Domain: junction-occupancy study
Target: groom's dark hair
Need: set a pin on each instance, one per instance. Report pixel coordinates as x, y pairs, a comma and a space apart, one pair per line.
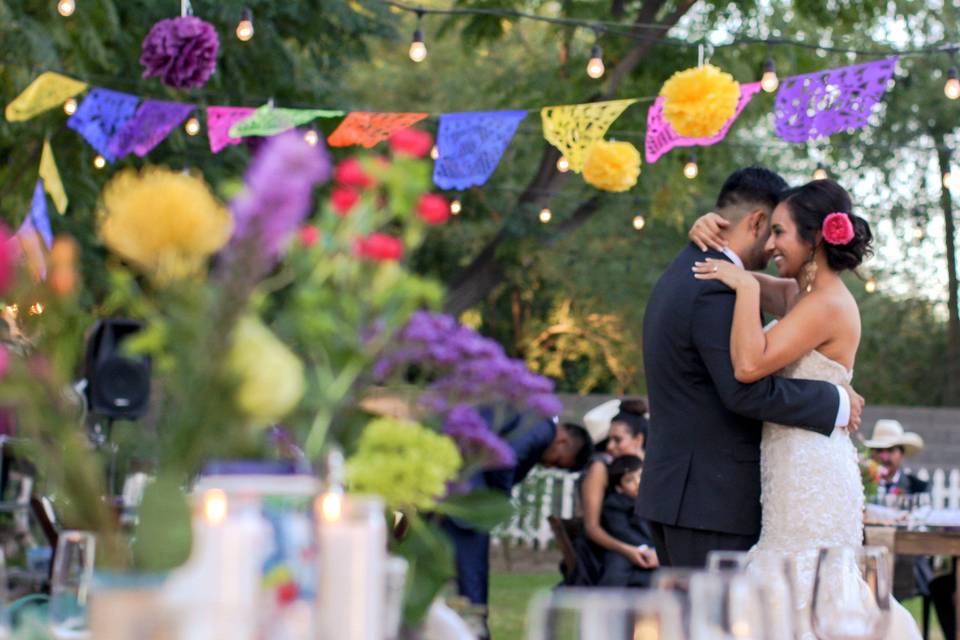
751, 186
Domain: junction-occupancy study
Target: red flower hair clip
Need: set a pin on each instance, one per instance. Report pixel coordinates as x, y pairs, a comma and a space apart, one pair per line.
838, 228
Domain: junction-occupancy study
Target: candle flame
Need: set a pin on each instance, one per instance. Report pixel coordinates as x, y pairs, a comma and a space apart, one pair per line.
215, 506
331, 506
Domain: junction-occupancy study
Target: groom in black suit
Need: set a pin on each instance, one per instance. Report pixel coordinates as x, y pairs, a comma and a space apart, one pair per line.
701, 479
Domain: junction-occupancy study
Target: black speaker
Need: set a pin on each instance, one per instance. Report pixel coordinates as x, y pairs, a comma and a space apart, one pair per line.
118, 385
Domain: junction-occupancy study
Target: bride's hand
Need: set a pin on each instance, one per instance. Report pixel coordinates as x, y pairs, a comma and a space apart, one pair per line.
726, 272
706, 232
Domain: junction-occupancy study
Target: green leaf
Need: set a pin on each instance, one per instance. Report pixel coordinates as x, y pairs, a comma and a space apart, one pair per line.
164, 536
483, 510
430, 554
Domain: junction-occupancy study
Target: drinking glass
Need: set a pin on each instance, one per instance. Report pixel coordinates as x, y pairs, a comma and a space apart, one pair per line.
605, 614
70, 586
724, 606
676, 582
727, 560
851, 594
776, 572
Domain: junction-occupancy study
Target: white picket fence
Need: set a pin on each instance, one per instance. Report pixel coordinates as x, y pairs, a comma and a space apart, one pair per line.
547, 493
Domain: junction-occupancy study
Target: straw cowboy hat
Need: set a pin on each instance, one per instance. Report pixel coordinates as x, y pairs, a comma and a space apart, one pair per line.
890, 433
597, 420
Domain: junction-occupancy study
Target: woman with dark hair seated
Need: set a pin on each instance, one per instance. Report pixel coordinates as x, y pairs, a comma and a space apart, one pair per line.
626, 437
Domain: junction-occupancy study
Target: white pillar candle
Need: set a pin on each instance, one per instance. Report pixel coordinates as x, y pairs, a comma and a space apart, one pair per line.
352, 545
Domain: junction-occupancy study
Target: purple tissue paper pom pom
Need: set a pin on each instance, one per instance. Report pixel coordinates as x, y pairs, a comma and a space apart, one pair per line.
181, 51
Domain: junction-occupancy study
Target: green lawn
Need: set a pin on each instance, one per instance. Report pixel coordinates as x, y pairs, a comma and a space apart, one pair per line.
511, 591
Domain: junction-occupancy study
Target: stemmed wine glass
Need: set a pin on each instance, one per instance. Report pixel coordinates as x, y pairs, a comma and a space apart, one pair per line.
727, 606
851, 594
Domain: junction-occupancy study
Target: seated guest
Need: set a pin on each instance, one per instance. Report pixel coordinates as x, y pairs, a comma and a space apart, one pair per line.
889, 446
626, 436
620, 520
542, 442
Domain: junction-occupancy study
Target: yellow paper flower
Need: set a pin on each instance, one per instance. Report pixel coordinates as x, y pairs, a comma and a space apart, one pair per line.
164, 222
699, 101
612, 166
270, 375
405, 463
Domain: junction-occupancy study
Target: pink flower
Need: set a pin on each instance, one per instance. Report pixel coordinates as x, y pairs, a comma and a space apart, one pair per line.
350, 173
838, 228
433, 208
309, 235
411, 142
7, 259
379, 247
343, 199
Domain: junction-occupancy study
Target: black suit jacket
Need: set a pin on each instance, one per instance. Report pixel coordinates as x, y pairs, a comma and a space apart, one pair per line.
908, 484
703, 445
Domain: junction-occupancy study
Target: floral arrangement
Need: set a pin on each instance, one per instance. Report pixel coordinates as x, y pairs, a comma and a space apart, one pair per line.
181, 51
612, 166
699, 101
872, 473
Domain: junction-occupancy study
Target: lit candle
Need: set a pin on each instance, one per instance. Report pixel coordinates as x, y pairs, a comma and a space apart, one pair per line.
352, 546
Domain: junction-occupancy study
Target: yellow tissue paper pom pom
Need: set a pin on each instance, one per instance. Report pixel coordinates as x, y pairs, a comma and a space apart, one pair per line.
270, 376
405, 463
164, 222
699, 101
612, 166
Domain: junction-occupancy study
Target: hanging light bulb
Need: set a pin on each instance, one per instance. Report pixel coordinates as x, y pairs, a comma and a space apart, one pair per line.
245, 26
545, 215
456, 207
312, 137
563, 165
820, 173
595, 67
70, 106
950, 180
192, 127
918, 233
691, 170
99, 161
66, 8
769, 82
418, 50
952, 88
870, 285
434, 153
639, 222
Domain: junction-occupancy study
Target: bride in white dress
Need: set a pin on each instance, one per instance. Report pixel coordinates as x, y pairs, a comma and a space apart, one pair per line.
811, 491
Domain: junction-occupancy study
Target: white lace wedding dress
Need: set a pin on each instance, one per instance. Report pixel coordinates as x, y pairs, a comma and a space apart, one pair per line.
812, 497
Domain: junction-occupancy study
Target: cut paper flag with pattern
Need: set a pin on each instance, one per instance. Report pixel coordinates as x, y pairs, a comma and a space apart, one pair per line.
48, 90
101, 114
574, 128
819, 104
219, 121
370, 129
38, 216
661, 137
51, 178
148, 127
269, 121
470, 146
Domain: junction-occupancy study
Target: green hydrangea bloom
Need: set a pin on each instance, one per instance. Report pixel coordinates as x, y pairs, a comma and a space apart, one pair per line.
405, 463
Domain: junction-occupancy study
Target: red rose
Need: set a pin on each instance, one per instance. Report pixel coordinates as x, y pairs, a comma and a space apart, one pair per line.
350, 173
309, 235
411, 142
378, 246
433, 208
838, 228
343, 199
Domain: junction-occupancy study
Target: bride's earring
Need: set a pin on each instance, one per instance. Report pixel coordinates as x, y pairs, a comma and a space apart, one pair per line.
810, 274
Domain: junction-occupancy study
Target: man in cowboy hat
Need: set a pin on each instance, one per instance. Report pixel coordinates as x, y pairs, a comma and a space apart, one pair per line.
889, 445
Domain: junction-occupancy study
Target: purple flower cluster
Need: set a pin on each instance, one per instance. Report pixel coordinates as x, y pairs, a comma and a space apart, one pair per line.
466, 370
182, 51
279, 190
478, 444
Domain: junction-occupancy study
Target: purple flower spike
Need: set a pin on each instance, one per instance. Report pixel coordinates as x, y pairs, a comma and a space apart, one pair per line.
181, 51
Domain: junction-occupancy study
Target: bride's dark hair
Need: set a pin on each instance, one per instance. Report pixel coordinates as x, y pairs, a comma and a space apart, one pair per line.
813, 202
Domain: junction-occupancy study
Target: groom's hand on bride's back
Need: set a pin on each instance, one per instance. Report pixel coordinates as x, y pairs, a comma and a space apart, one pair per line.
856, 408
